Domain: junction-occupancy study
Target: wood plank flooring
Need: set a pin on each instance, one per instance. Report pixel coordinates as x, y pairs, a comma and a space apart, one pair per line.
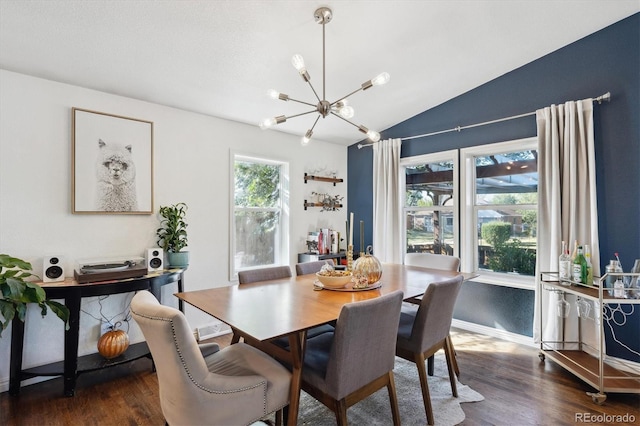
518, 388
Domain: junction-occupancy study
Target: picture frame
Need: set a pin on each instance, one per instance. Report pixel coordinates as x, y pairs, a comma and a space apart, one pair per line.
112, 163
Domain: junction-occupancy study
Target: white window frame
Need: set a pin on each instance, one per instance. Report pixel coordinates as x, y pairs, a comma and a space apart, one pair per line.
451, 155
281, 255
468, 224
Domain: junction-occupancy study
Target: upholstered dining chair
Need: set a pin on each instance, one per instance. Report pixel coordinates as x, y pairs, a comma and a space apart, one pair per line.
236, 385
263, 274
306, 268
423, 332
348, 365
435, 261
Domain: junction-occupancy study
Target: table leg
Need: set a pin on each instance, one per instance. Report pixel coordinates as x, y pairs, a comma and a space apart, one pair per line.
296, 346
71, 337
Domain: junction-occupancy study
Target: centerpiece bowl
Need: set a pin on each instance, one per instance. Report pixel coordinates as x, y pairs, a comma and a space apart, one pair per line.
334, 279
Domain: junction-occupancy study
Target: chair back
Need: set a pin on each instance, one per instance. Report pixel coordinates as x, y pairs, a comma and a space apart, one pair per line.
178, 360
435, 313
364, 343
430, 260
264, 274
311, 267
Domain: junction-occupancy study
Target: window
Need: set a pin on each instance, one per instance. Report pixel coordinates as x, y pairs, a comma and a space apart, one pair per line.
430, 212
260, 213
500, 189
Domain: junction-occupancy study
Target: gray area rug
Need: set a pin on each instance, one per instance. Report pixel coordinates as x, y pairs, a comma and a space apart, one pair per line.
376, 410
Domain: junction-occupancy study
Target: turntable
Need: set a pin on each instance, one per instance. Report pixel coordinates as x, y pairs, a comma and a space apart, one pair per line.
112, 269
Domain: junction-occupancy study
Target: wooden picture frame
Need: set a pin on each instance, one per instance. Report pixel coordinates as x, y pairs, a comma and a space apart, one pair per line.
112, 164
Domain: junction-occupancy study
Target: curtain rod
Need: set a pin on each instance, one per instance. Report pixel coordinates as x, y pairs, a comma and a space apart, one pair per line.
599, 99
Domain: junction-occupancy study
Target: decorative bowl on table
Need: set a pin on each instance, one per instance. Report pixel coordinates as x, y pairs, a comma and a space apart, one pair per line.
334, 279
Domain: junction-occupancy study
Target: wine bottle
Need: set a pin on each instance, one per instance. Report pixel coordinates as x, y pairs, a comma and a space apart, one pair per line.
579, 269
564, 264
587, 257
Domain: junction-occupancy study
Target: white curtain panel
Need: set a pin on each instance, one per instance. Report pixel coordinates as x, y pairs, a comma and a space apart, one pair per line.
387, 201
567, 208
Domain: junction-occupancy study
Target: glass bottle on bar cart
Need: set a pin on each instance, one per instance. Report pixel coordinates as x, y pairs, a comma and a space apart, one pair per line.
564, 265
587, 256
579, 268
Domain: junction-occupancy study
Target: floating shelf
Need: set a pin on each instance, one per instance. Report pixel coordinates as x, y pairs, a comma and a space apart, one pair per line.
307, 204
322, 179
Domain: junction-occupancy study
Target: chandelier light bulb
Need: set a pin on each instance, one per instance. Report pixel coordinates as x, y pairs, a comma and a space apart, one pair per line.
346, 111
381, 79
306, 138
298, 63
267, 123
273, 94
373, 135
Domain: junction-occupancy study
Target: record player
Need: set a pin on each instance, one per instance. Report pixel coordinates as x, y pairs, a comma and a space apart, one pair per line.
109, 269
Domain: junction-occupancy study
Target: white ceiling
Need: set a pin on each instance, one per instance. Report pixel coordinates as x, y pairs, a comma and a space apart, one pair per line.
219, 57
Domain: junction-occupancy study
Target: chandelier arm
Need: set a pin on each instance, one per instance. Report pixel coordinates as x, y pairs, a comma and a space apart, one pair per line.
314, 91
324, 84
302, 113
344, 97
315, 122
301, 102
348, 121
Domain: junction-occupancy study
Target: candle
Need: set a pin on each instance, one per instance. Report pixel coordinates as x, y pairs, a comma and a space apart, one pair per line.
362, 236
351, 229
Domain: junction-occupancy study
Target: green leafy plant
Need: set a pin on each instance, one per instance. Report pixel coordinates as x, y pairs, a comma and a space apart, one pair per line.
17, 293
172, 234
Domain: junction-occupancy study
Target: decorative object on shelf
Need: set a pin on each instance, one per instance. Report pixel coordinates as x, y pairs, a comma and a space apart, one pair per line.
16, 293
367, 269
113, 343
339, 107
172, 235
327, 202
112, 161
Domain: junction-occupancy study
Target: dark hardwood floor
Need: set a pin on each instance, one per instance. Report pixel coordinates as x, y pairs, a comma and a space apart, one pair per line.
518, 388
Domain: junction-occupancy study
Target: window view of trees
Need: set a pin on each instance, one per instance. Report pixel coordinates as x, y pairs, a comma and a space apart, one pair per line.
257, 213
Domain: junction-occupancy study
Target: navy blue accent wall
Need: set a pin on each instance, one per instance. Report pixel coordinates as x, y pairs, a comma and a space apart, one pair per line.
605, 61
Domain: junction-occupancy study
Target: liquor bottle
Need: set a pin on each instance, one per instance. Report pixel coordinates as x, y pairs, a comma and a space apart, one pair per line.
564, 264
579, 269
575, 251
587, 256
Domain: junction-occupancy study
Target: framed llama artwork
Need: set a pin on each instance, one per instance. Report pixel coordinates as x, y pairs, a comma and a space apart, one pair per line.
112, 162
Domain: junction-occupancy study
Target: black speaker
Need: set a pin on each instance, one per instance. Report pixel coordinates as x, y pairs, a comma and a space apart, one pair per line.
155, 259
53, 269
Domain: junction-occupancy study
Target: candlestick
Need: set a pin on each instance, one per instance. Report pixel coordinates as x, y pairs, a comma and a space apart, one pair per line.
350, 257
361, 237
351, 229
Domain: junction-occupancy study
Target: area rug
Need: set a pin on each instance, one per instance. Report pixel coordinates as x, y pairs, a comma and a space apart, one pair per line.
376, 410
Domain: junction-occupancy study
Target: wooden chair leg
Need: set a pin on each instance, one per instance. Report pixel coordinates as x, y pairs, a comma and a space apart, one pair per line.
453, 358
450, 357
393, 399
341, 412
426, 397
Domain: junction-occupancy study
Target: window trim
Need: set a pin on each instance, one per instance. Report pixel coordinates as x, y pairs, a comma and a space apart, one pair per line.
449, 155
282, 257
468, 228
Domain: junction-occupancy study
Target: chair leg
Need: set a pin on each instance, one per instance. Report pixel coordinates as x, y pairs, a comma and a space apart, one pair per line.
426, 397
430, 365
279, 417
393, 399
453, 357
341, 412
450, 356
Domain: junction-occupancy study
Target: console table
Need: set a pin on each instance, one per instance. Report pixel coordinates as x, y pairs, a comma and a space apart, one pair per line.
72, 293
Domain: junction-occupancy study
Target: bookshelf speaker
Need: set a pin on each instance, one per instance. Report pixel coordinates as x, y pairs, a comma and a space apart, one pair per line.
53, 269
155, 259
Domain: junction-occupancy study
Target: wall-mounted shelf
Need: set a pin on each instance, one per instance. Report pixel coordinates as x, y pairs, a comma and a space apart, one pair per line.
307, 204
322, 179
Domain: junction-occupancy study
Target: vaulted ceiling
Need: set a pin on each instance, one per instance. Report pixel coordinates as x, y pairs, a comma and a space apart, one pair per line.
220, 57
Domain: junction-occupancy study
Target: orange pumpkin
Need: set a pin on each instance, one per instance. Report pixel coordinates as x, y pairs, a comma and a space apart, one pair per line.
113, 343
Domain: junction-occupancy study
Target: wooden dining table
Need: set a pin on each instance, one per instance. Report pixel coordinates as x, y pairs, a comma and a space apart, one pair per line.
263, 311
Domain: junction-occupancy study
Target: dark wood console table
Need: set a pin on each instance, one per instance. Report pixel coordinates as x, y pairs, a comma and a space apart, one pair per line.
72, 293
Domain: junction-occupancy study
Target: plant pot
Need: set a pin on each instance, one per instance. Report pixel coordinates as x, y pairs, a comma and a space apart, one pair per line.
179, 259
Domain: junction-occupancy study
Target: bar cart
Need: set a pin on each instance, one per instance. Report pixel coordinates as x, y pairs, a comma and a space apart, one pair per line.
581, 359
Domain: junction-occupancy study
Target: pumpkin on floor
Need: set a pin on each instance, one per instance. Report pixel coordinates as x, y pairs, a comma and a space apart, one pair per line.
113, 343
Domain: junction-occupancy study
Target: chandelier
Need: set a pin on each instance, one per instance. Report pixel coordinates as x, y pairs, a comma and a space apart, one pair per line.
339, 108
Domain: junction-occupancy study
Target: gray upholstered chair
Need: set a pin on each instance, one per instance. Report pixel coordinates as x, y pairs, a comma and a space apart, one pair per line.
435, 261
423, 332
263, 274
236, 385
346, 366
305, 268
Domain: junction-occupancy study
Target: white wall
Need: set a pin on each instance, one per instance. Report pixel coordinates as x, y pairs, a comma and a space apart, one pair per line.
191, 160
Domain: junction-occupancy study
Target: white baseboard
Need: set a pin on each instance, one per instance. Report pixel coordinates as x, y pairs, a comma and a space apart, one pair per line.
494, 332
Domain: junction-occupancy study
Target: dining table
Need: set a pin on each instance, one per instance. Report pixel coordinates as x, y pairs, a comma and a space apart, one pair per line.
263, 311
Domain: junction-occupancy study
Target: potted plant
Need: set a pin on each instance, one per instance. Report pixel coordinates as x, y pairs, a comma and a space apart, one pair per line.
17, 293
172, 234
